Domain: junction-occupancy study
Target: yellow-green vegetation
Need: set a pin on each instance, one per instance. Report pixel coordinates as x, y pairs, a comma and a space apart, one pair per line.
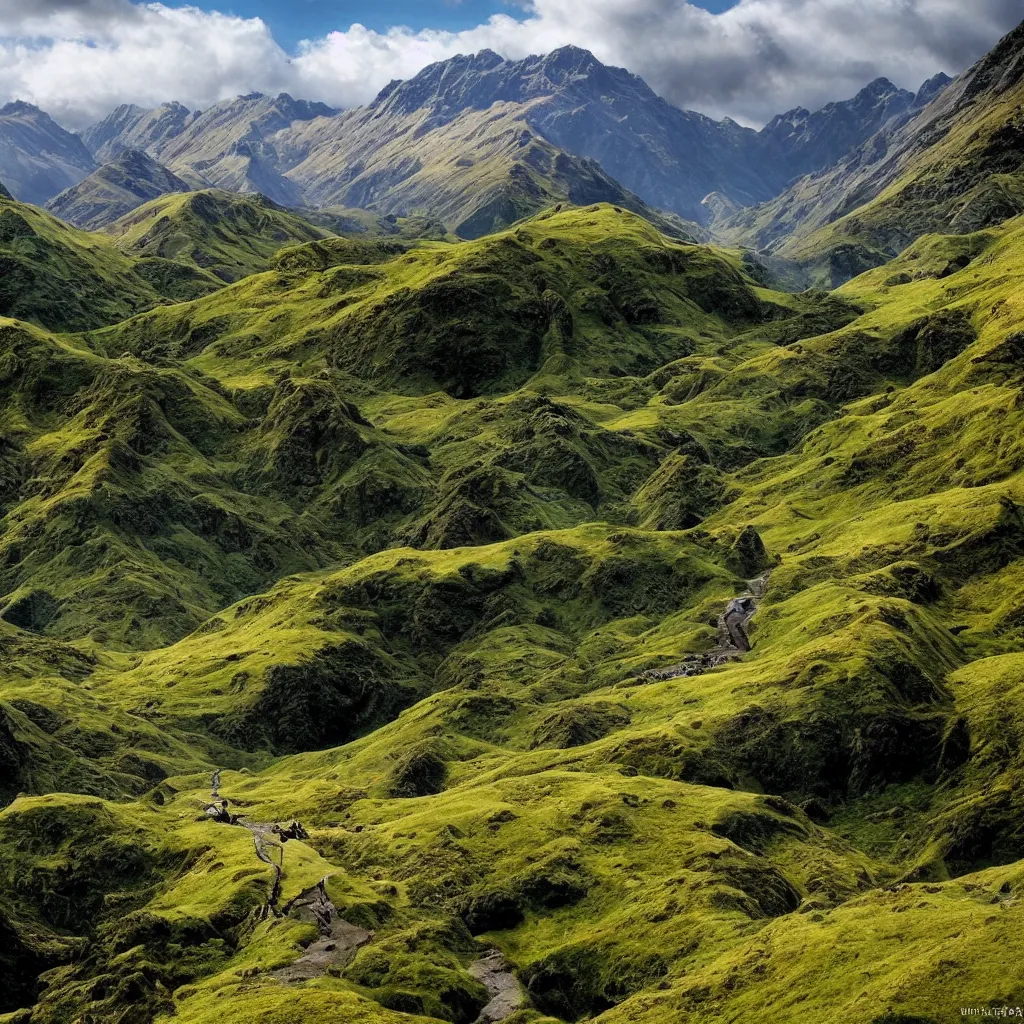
412, 539
66, 279
224, 235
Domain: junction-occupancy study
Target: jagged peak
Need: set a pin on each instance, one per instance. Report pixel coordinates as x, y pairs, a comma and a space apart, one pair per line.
571, 54
795, 116
124, 109
388, 89
488, 58
129, 157
878, 87
930, 89
21, 107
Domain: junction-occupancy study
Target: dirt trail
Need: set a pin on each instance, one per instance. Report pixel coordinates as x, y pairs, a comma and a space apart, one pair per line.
495, 974
732, 636
271, 852
336, 944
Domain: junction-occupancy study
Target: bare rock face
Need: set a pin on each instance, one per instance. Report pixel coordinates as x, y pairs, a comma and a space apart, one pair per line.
38, 158
131, 127
336, 943
806, 142
495, 974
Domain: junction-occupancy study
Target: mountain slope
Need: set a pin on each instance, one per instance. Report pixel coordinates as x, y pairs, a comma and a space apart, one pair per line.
232, 144
63, 278
477, 173
131, 127
513, 733
226, 236
672, 158
115, 189
453, 130
956, 166
38, 158
804, 142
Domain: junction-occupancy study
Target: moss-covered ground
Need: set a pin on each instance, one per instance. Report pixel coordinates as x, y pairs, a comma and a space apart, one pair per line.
393, 534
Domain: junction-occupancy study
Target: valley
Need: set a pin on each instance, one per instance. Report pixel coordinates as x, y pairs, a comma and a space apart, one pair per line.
612, 626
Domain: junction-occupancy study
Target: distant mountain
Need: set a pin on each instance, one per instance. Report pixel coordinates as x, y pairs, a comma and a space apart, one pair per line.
4, 194
478, 140
477, 172
955, 166
38, 158
234, 144
670, 157
131, 127
804, 142
115, 189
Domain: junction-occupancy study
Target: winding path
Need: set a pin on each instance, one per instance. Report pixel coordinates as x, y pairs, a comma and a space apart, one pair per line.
732, 636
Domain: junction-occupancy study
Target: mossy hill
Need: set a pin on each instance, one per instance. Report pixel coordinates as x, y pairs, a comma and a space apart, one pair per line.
411, 538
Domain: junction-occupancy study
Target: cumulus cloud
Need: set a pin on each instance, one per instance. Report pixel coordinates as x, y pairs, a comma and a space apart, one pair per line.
79, 58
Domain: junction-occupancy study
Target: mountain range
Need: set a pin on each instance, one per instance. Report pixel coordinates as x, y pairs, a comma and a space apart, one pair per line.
475, 141
565, 623
953, 166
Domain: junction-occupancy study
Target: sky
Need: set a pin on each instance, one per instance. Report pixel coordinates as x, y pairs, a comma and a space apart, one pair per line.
748, 59
292, 21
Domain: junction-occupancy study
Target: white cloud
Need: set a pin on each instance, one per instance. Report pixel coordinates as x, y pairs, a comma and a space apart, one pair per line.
79, 58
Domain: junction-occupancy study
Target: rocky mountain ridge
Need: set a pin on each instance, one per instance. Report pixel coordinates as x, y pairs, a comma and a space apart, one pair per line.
39, 158
956, 165
481, 110
114, 189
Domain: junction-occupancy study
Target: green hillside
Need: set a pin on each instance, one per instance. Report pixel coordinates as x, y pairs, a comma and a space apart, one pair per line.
224, 235
65, 279
431, 546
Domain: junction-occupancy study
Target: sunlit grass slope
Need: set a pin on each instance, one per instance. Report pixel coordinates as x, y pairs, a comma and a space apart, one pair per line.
228, 236
394, 533
66, 279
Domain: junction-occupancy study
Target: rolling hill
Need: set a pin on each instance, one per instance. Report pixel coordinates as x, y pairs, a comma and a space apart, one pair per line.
224, 235
66, 279
576, 626
423, 544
